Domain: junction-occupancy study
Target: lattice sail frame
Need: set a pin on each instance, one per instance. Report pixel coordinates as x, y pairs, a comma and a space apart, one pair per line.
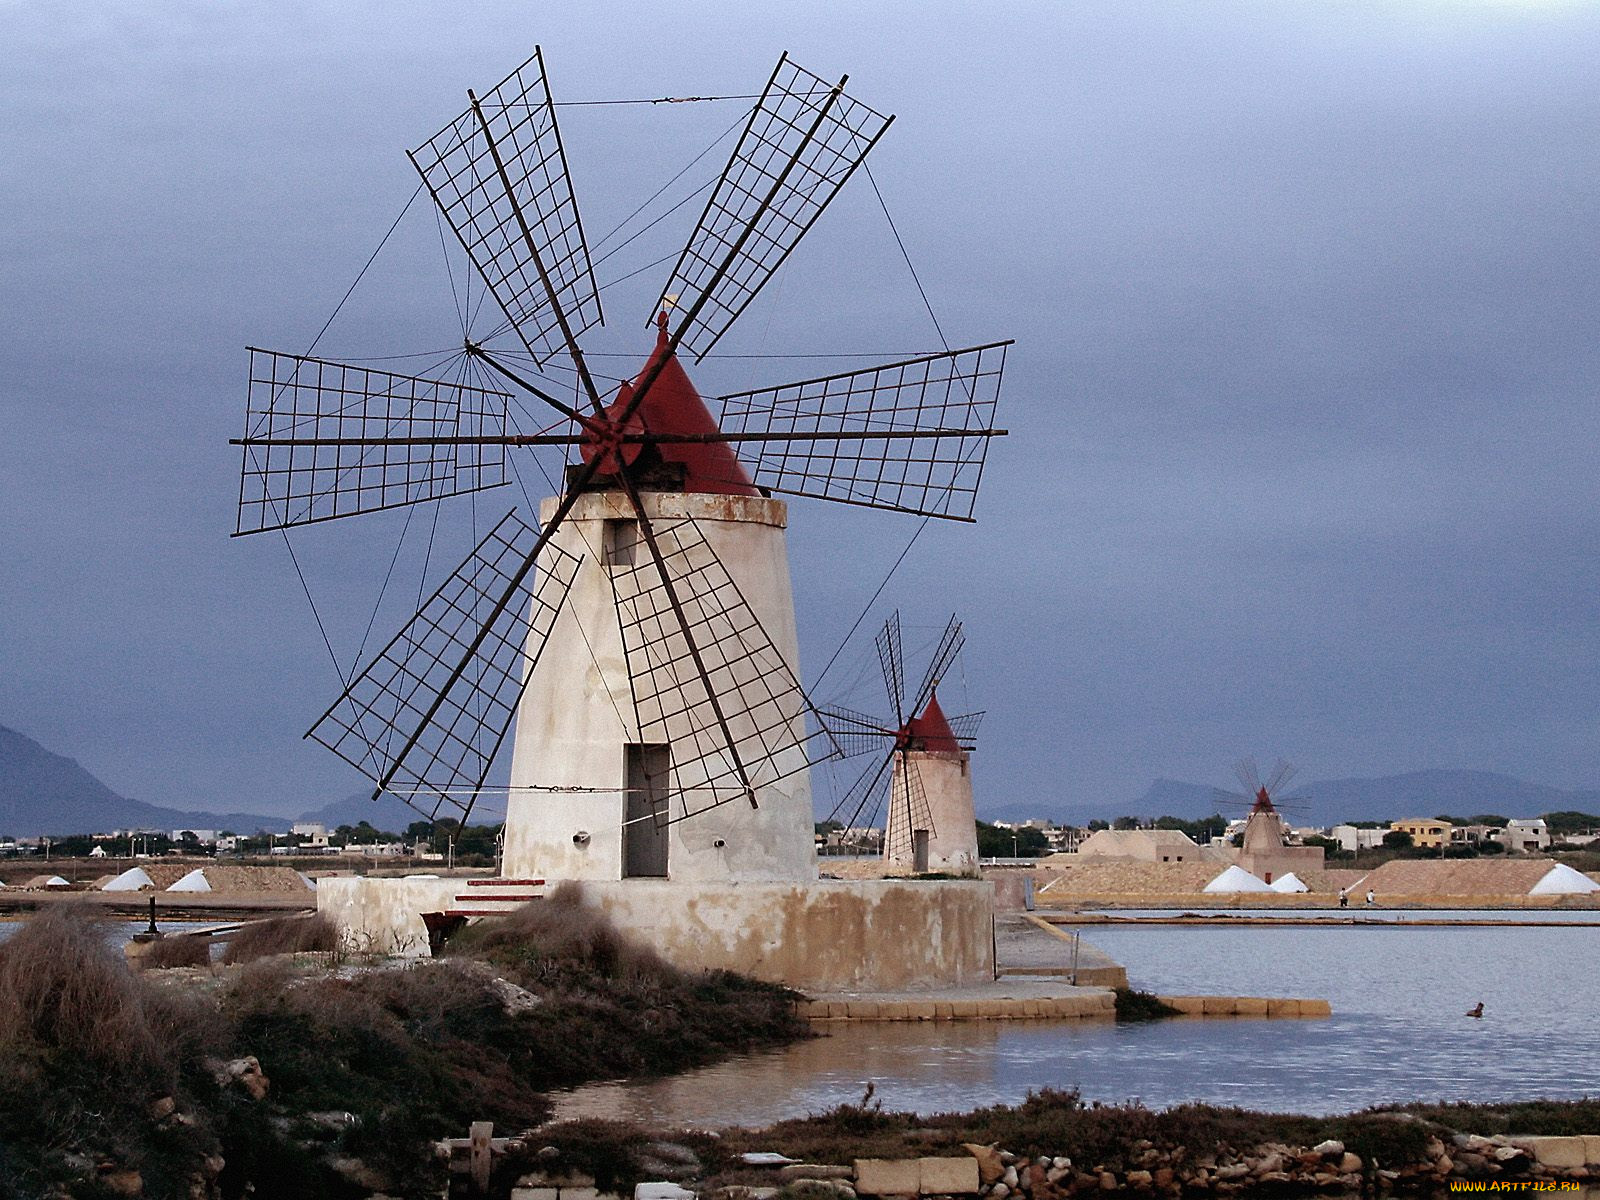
378, 441
950, 643
450, 722
804, 139
499, 177
938, 477
909, 797
674, 704
510, 136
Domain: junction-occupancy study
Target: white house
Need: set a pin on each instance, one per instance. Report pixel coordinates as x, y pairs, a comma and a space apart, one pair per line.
1353, 840
1524, 835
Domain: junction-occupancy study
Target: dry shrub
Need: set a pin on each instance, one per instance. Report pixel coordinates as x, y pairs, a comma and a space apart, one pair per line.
562, 929
178, 950
66, 993
281, 935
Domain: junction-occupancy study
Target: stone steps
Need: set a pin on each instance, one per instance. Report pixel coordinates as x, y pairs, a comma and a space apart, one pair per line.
495, 897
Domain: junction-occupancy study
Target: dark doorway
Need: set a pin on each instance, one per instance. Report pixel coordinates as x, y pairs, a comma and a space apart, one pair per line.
644, 836
919, 850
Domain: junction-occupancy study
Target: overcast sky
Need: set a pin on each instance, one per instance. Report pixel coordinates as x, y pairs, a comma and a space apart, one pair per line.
1303, 402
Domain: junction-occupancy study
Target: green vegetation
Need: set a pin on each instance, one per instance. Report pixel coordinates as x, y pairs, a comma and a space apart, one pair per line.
1133, 1005
994, 842
1568, 821
1399, 839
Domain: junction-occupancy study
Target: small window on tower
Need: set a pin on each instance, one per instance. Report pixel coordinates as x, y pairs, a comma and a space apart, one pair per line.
621, 540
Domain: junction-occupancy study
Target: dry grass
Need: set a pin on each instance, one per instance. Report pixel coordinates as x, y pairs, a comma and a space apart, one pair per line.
281, 935
562, 928
65, 991
178, 950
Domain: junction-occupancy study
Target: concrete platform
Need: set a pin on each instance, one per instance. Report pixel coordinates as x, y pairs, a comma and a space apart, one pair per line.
819, 936
1008, 998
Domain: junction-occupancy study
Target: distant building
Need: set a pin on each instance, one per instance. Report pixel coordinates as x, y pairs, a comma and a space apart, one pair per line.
1353, 840
1425, 833
1524, 836
312, 834
1065, 838
206, 837
1143, 845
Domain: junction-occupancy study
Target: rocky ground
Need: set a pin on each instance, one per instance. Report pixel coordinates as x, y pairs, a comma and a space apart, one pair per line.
859, 1151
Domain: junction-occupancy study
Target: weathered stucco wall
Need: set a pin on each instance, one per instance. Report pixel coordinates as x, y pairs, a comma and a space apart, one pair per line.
833, 935
578, 713
384, 915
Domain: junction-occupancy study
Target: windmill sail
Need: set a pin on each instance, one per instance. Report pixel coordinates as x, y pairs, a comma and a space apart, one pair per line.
908, 809
864, 797
950, 643
952, 394
855, 733
893, 663
325, 439
425, 718
965, 727
804, 139
498, 174
747, 690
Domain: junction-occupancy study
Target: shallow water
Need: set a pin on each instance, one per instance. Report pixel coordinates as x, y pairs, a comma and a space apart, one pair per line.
119, 932
1398, 1033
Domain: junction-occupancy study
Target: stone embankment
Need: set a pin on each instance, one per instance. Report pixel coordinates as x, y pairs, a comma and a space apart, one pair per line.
1082, 1004
998, 1174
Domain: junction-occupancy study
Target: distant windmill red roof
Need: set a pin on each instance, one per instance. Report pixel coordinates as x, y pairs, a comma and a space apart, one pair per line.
932, 731
672, 405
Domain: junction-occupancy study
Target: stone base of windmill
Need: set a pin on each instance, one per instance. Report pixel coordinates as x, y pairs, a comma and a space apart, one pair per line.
820, 936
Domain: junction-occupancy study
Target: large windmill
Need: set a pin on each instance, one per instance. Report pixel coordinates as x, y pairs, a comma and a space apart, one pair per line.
644, 629
918, 775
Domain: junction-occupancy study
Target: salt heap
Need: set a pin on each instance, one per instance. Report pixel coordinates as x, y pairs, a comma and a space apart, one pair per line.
1236, 879
194, 881
1562, 880
133, 879
1288, 883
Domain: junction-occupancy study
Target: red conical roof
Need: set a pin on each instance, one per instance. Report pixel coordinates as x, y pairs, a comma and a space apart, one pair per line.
673, 406
931, 731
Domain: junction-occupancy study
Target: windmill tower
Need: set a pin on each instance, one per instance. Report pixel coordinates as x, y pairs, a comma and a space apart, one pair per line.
642, 635
929, 820
1266, 850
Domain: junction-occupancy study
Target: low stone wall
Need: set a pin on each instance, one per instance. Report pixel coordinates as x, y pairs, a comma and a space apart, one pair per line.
831, 935
1247, 1006
1091, 1003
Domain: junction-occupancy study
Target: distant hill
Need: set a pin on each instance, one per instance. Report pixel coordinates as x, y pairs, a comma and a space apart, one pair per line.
1429, 793
46, 794
1384, 798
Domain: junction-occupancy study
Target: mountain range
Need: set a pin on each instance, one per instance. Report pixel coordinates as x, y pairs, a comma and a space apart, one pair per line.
44, 793
1328, 801
47, 794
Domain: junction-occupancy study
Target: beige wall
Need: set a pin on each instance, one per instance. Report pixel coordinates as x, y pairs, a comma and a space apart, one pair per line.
874, 935
946, 781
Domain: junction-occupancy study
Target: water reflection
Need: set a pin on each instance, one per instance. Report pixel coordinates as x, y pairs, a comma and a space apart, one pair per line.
1398, 1033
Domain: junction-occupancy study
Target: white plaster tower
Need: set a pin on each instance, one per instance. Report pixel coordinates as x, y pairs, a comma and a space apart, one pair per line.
617, 740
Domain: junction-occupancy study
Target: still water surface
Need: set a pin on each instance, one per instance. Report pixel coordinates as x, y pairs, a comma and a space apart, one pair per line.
1398, 1033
